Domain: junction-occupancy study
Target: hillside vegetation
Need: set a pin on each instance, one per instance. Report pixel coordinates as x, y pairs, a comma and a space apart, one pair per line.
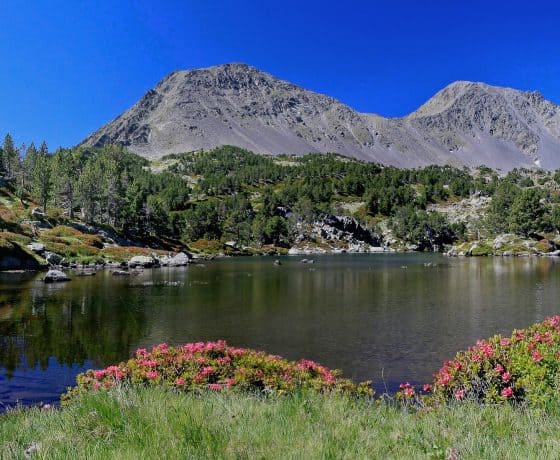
233, 201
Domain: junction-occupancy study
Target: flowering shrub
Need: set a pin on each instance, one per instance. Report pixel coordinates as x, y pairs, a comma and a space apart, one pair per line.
217, 366
523, 368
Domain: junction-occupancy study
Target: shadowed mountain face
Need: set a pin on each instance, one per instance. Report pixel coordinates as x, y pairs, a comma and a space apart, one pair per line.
235, 104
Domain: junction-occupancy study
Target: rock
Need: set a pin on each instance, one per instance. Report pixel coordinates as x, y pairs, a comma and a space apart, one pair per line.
82, 273
37, 248
38, 213
231, 244
55, 276
52, 258
120, 273
553, 253
179, 260
277, 262
142, 261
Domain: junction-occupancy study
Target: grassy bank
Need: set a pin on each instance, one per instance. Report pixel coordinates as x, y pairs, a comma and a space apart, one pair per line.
154, 423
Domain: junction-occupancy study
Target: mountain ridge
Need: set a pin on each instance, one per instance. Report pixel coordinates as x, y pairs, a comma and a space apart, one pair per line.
465, 123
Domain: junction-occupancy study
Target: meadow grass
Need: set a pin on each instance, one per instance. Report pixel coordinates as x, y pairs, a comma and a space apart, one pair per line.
155, 423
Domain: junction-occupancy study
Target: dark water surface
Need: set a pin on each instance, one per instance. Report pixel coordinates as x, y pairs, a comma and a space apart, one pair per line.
364, 314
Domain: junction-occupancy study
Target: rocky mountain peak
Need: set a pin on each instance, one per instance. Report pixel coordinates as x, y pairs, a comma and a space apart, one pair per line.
466, 123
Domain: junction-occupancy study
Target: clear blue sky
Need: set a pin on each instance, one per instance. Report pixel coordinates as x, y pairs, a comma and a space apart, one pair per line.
68, 67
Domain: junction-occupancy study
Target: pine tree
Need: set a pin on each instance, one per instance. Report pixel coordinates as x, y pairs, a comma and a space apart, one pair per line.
42, 180
10, 156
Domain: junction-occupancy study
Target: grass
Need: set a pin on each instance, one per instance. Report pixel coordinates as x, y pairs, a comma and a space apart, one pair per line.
155, 423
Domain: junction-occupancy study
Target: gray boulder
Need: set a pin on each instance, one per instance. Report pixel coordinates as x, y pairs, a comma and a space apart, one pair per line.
179, 260
142, 261
52, 258
37, 248
55, 276
38, 213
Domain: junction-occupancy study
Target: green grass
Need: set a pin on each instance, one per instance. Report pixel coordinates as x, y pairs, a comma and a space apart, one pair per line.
154, 423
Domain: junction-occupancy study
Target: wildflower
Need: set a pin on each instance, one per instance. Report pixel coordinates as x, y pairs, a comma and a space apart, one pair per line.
537, 357
152, 375
427, 387
215, 386
179, 381
96, 385
499, 368
504, 342
459, 394
507, 392
99, 374
230, 382
506, 376
409, 392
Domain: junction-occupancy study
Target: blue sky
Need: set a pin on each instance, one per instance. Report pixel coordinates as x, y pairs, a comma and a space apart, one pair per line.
68, 67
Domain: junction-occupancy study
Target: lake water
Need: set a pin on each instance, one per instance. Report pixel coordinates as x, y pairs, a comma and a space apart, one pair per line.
367, 315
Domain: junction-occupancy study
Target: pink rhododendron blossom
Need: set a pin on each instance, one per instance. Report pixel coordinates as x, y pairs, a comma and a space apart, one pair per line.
180, 381
505, 342
537, 357
507, 392
152, 375
459, 394
427, 387
506, 376
99, 374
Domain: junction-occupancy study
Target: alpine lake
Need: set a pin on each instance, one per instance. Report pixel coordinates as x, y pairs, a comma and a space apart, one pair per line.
389, 318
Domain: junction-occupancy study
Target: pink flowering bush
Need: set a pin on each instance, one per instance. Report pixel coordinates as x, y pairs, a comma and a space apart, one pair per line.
522, 368
216, 366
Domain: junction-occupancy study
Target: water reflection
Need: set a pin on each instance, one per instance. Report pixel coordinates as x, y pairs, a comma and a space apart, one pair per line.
363, 314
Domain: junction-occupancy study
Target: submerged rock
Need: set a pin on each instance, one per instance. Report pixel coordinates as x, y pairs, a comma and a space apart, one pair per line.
55, 276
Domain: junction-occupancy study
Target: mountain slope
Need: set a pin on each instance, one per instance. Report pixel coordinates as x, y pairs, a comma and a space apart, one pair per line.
236, 104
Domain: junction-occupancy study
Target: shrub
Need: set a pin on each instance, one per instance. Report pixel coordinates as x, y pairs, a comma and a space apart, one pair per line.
217, 366
523, 368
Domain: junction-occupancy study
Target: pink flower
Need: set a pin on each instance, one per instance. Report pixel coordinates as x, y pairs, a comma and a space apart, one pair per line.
409, 392
215, 386
141, 352
152, 375
499, 368
507, 392
506, 376
99, 374
554, 321
427, 387
230, 382
476, 357
459, 394
537, 357
96, 385
504, 342
180, 381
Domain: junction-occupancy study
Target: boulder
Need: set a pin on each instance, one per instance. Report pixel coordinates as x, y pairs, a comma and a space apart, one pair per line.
179, 260
55, 276
142, 261
52, 258
38, 213
37, 248
120, 273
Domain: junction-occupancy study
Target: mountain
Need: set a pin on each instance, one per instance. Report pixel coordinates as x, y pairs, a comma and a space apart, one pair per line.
235, 104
